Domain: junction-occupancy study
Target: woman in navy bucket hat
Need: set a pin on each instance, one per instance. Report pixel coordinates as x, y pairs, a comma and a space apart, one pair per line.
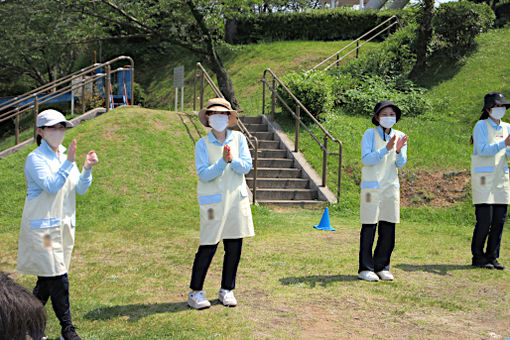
489, 180
383, 151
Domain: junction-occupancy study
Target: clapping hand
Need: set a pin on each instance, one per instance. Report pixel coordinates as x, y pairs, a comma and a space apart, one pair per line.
401, 143
227, 155
90, 159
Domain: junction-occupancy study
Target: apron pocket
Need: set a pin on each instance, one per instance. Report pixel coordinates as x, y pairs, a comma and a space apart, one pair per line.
370, 196
482, 180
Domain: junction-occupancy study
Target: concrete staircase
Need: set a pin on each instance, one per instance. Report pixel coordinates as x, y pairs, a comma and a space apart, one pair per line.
283, 177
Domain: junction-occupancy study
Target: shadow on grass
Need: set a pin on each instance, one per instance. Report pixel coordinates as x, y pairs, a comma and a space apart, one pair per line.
322, 280
439, 269
135, 312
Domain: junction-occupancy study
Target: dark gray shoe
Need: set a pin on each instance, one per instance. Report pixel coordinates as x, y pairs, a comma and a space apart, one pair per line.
497, 265
69, 333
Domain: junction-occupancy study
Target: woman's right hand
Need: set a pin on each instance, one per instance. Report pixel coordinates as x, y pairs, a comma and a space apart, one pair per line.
227, 156
71, 151
391, 142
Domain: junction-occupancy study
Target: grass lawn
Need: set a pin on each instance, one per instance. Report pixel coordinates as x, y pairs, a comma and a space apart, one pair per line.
137, 234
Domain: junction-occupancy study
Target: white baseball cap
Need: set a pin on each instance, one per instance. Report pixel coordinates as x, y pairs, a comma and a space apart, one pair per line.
52, 117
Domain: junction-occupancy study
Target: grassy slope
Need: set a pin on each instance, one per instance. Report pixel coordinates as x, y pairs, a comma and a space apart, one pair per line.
138, 231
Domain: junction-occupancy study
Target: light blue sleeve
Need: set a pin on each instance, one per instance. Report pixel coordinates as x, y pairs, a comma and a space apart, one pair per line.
369, 156
205, 171
38, 170
507, 148
243, 164
84, 182
481, 147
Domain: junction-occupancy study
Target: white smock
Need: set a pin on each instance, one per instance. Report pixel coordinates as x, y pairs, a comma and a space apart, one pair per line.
380, 188
46, 238
489, 174
224, 204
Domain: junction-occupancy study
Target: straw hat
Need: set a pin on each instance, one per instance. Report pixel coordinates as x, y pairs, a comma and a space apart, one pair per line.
217, 105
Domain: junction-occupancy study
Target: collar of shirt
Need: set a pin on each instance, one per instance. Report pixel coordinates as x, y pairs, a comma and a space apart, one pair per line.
48, 151
213, 139
494, 125
383, 135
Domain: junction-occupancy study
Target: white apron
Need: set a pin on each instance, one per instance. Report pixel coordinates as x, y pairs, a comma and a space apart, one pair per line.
380, 188
489, 174
46, 237
224, 204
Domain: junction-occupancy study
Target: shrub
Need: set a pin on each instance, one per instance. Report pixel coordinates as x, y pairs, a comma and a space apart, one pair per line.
313, 89
502, 13
456, 25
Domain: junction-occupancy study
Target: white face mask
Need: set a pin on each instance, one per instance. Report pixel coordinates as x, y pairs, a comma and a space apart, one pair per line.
387, 122
498, 112
218, 122
54, 137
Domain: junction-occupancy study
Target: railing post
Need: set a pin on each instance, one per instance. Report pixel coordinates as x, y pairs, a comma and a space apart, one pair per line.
357, 48
16, 130
36, 112
254, 192
324, 160
337, 59
83, 95
132, 82
195, 89
201, 89
263, 96
339, 171
108, 87
273, 99
296, 138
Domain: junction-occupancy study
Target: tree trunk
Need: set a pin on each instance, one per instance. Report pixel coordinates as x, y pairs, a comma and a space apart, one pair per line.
398, 4
224, 82
423, 38
375, 4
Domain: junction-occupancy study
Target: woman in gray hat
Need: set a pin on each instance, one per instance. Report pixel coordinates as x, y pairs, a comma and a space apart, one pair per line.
383, 151
489, 180
46, 237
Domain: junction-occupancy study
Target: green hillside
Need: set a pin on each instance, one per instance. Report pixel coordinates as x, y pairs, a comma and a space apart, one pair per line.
138, 230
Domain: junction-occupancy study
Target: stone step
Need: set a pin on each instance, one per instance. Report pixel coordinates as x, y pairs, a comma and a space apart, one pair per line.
275, 163
263, 135
286, 194
269, 144
256, 128
295, 183
251, 119
291, 203
270, 153
276, 173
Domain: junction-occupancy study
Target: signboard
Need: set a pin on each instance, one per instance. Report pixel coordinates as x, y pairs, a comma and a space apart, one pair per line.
179, 76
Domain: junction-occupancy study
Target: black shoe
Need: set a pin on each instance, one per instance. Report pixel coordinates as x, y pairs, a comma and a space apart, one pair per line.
486, 265
497, 265
69, 333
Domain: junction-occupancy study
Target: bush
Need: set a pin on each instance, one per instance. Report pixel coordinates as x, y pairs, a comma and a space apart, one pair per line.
372, 89
335, 24
502, 13
313, 89
456, 25
139, 94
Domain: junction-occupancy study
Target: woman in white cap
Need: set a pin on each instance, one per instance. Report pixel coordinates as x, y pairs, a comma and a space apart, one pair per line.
222, 159
383, 151
48, 223
489, 180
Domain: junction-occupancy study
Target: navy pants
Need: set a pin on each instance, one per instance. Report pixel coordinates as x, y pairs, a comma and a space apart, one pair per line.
380, 260
204, 257
56, 287
490, 219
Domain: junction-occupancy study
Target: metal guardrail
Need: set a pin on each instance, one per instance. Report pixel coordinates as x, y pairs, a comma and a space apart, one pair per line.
52, 90
297, 115
201, 73
390, 22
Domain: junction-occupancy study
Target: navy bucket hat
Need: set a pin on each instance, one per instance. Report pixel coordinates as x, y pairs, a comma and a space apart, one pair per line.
381, 105
492, 99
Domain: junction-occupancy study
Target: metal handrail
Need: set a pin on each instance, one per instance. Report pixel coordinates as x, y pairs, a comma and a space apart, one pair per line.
297, 115
358, 46
15, 107
203, 75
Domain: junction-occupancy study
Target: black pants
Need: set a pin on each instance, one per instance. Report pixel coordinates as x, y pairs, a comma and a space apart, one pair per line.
204, 257
56, 287
385, 244
490, 219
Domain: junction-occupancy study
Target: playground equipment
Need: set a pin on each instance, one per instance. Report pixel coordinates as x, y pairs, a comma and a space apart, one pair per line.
94, 79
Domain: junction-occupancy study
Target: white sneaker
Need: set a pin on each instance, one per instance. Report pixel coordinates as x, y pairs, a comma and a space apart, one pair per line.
197, 300
368, 275
227, 298
385, 275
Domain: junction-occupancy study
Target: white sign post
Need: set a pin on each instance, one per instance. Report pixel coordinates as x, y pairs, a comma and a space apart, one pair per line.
179, 84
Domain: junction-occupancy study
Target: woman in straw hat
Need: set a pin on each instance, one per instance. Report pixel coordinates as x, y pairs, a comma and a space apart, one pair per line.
383, 151
46, 237
489, 180
222, 159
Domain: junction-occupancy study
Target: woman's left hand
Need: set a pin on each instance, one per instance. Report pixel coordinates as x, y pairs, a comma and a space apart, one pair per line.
91, 159
401, 143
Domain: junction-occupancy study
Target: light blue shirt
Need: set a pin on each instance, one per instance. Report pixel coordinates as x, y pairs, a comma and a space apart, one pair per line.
370, 156
480, 136
40, 178
206, 172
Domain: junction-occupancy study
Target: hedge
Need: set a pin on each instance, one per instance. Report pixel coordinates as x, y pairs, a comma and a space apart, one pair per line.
324, 25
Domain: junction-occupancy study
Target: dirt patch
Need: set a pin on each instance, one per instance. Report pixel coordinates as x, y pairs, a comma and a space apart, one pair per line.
437, 189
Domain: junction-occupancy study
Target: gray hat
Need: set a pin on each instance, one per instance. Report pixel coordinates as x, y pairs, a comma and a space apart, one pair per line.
52, 117
492, 99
